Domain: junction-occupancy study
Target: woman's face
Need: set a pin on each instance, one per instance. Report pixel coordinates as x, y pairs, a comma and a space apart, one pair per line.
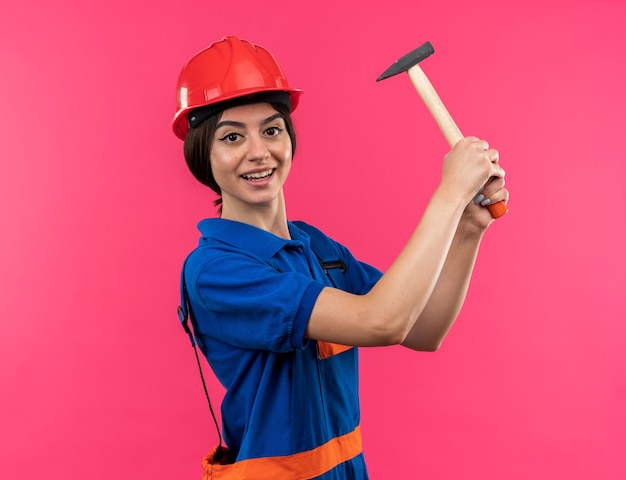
250, 157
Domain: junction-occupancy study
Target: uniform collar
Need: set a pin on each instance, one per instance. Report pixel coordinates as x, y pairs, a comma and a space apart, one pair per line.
248, 237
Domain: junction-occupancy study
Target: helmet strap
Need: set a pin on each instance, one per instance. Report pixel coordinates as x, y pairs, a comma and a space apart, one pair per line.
201, 114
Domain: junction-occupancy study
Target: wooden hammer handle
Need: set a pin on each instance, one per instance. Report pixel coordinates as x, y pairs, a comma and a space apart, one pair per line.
440, 113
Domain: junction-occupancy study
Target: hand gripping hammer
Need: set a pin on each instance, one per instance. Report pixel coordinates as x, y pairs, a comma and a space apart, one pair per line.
409, 64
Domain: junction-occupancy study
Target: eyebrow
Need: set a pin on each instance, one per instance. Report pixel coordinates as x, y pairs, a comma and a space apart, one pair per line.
232, 123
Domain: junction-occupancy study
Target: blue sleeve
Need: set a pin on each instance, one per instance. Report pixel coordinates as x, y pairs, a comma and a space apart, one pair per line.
361, 276
243, 301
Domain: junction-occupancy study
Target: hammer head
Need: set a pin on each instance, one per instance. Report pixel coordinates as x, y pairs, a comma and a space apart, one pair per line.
408, 60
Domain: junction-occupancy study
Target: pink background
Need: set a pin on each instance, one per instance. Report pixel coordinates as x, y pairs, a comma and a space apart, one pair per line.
98, 211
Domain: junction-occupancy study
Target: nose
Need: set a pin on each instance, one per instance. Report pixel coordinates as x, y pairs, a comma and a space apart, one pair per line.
257, 148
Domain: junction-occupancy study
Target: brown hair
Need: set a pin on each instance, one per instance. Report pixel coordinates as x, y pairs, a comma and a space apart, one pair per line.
199, 140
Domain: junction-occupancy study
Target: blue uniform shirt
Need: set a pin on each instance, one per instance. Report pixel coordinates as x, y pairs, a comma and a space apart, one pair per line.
251, 294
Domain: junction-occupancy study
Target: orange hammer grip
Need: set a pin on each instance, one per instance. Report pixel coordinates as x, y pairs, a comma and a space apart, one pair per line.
497, 209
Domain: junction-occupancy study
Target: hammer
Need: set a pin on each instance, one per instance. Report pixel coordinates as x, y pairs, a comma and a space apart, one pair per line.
409, 64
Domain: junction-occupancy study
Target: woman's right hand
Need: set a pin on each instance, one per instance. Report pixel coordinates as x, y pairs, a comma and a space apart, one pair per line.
468, 167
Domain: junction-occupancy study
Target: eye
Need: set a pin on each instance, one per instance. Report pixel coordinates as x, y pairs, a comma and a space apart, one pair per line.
273, 131
230, 137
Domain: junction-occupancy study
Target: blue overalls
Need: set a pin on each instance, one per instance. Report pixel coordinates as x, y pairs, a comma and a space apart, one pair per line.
291, 408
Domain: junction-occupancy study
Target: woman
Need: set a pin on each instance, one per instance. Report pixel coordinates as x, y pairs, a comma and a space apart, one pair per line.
277, 330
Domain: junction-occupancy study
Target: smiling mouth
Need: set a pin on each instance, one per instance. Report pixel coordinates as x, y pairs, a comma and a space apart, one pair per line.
255, 177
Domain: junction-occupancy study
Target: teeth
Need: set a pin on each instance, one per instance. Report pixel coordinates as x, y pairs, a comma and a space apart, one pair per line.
258, 176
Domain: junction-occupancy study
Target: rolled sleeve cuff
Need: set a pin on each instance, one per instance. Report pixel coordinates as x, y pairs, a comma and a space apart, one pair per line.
304, 313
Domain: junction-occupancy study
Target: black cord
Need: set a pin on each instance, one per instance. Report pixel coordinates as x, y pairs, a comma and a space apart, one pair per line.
220, 451
184, 319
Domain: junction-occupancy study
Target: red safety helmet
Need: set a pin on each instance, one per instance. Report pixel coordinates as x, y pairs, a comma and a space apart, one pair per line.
225, 70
